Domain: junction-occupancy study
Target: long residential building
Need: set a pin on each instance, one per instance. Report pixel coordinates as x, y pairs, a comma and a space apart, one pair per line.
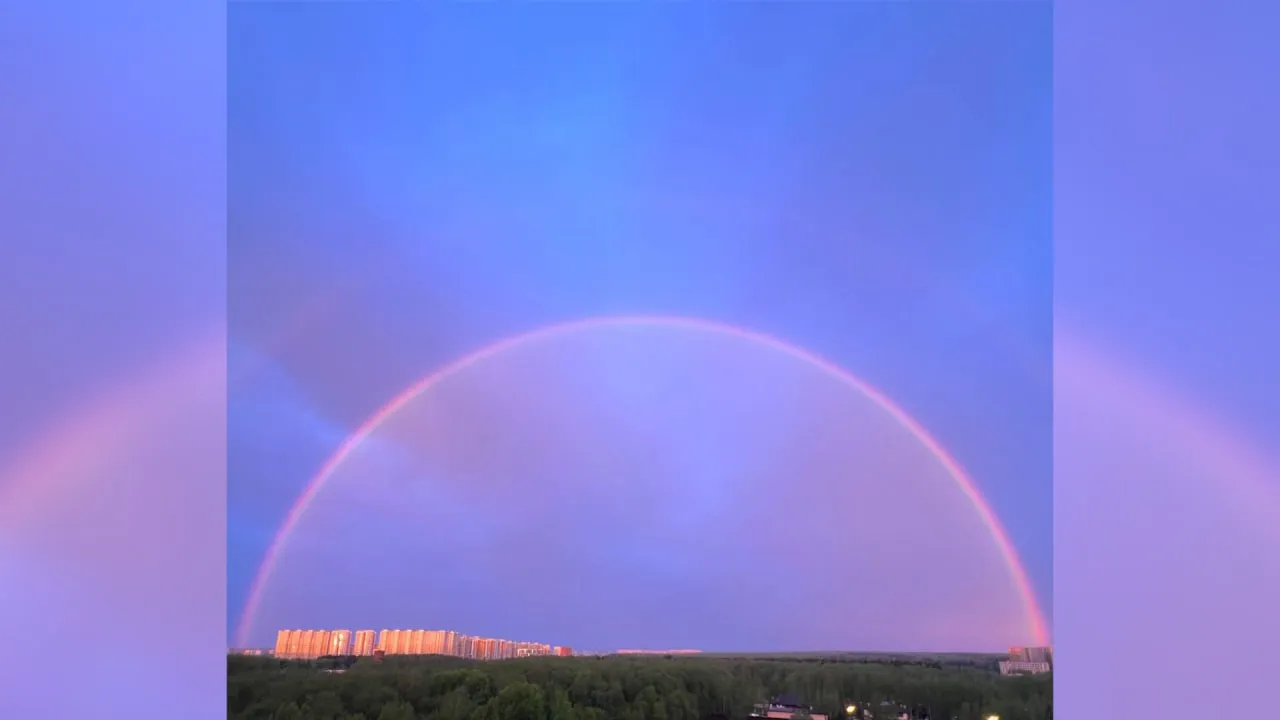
365, 642
307, 644
302, 644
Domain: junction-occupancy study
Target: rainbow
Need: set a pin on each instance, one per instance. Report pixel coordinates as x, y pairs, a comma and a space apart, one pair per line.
69, 452
1039, 628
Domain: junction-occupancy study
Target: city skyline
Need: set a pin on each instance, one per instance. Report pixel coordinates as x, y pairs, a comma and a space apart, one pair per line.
311, 644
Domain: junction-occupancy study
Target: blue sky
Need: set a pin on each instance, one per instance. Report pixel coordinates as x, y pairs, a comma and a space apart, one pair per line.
871, 182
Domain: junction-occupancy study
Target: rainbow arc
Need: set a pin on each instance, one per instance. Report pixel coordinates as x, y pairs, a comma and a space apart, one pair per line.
1038, 627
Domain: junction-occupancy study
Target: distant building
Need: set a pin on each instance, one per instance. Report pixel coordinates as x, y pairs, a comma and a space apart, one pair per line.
1017, 667
1027, 661
529, 649
282, 643
324, 641
319, 645
395, 642
1031, 654
339, 643
308, 644
365, 642
434, 642
287, 643
293, 645
785, 707
562, 651
465, 646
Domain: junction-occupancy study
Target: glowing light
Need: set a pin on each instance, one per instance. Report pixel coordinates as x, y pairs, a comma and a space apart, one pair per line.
1022, 583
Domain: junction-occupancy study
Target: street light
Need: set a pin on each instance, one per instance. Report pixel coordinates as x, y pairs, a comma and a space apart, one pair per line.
851, 709
993, 717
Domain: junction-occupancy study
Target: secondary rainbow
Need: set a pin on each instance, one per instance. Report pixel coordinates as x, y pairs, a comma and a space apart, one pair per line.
1039, 628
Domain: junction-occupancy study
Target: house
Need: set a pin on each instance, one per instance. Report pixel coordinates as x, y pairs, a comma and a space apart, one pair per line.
785, 707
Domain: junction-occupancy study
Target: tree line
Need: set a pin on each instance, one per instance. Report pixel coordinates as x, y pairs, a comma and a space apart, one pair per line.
621, 688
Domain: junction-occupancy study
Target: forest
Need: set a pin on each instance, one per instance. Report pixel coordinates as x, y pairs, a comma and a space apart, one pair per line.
627, 688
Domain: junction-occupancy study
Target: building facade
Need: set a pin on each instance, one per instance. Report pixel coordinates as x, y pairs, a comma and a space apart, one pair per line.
1031, 654
1027, 661
339, 643
365, 643
308, 644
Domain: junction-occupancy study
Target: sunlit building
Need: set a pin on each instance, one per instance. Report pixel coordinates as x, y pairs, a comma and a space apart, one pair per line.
294, 647
365, 642
393, 642
309, 644
465, 647
416, 641
305, 644
303, 647
283, 640
339, 643
435, 642
321, 641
